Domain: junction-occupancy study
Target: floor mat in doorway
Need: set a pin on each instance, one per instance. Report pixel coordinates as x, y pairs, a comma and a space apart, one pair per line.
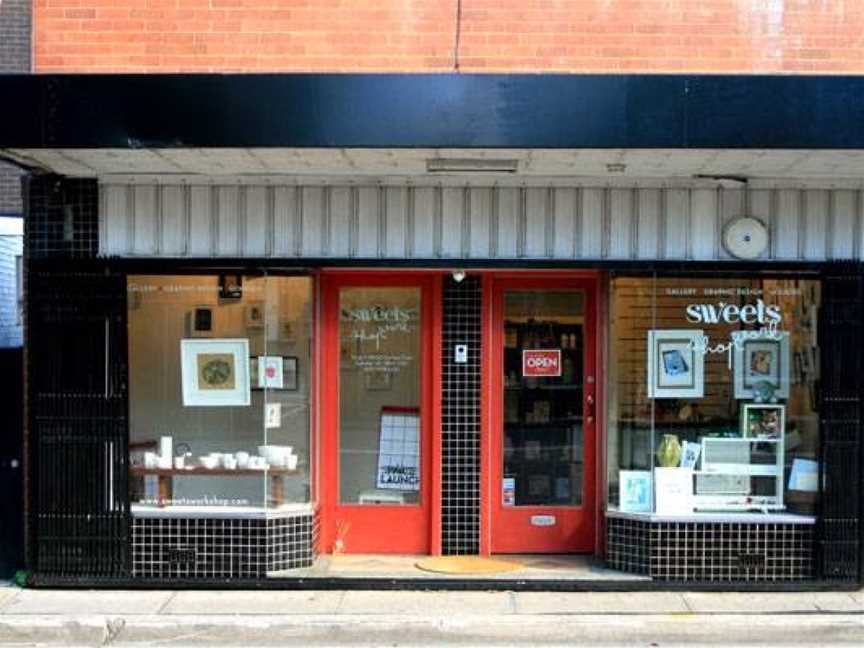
466, 565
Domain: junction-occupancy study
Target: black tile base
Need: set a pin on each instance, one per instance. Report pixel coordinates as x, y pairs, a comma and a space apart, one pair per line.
201, 547
710, 551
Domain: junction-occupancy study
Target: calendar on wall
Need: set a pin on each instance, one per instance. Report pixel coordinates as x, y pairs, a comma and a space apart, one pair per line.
399, 449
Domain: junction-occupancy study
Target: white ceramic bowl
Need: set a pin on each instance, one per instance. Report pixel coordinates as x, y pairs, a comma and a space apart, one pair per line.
210, 462
275, 455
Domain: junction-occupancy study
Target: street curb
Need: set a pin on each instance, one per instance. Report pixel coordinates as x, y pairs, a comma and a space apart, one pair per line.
361, 629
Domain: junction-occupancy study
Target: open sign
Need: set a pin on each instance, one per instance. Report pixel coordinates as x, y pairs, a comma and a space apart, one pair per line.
541, 362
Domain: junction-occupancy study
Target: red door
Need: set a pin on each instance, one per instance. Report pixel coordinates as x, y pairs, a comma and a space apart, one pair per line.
376, 402
542, 421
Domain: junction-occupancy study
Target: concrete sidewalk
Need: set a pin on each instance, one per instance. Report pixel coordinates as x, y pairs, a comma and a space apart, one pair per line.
395, 618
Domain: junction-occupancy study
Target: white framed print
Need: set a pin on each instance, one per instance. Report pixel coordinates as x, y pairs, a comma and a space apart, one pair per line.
634, 490
761, 365
215, 373
268, 372
676, 366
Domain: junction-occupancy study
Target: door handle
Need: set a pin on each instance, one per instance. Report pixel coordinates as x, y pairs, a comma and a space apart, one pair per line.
589, 408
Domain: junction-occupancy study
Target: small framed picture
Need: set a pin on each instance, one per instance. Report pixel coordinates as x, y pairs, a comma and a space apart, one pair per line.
763, 421
254, 316
634, 491
214, 372
761, 365
675, 364
230, 286
274, 372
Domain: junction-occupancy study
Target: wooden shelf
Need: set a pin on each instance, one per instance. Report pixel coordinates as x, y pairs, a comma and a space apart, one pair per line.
201, 471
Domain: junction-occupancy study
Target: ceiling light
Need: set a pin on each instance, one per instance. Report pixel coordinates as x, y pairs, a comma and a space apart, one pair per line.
458, 276
471, 165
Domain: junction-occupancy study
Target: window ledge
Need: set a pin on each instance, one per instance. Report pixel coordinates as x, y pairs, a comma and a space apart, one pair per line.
221, 512
742, 518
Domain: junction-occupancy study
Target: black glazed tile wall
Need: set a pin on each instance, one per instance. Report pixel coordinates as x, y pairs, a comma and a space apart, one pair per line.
204, 547
460, 416
711, 551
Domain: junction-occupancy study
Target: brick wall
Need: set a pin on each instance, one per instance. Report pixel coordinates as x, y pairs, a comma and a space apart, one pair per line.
15, 56
800, 36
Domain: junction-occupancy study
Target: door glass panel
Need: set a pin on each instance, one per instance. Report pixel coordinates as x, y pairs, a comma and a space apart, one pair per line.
543, 372
379, 396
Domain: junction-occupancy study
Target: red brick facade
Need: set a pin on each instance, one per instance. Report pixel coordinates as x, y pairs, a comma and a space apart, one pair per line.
723, 36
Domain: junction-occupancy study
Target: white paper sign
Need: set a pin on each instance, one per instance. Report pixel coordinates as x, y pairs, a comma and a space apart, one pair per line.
272, 415
673, 488
399, 451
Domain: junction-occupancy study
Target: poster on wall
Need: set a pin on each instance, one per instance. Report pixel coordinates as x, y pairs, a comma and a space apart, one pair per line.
761, 365
215, 373
399, 449
675, 367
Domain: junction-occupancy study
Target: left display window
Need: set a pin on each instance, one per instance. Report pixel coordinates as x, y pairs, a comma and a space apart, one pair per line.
220, 384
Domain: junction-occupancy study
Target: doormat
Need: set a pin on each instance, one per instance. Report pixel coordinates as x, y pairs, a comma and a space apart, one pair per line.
466, 565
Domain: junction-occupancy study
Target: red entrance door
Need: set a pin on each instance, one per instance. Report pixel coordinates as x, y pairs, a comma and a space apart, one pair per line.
376, 401
542, 418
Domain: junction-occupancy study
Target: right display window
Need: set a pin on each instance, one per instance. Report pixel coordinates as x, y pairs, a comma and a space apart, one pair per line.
713, 395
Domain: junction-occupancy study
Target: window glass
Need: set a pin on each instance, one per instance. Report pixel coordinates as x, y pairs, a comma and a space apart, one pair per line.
379, 396
713, 395
219, 372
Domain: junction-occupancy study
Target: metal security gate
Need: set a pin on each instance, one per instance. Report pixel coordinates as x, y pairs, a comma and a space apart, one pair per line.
840, 331
78, 425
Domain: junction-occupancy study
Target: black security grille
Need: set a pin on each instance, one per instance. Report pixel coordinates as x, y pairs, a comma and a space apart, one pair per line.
62, 217
840, 329
460, 416
77, 416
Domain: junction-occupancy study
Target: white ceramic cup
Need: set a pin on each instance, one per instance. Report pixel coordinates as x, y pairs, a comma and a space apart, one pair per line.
242, 459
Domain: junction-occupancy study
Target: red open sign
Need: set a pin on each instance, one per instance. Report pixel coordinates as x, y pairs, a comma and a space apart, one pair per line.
541, 362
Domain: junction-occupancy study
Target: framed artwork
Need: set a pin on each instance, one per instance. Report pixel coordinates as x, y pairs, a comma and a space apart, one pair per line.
230, 286
254, 316
763, 421
215, 373
761, 366
675, 366
274, 372
634, 489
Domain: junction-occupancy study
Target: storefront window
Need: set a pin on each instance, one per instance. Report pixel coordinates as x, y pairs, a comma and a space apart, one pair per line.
219, 370
713, 395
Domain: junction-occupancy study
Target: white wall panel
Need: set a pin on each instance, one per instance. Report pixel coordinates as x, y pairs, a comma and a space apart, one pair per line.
426, 222
480, 223
703, 224
146, 218
395, 222
591, 243
816, 225
619, 204
786, 220
677, 226
258, 222
507, 222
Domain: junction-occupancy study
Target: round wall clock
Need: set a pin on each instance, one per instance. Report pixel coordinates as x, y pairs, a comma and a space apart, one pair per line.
745, 237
